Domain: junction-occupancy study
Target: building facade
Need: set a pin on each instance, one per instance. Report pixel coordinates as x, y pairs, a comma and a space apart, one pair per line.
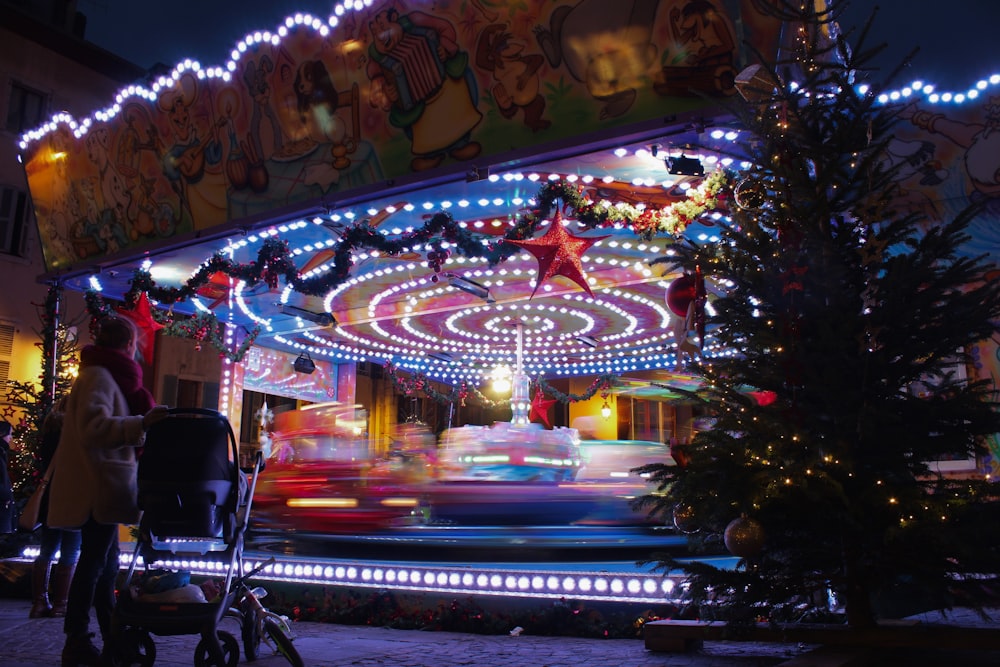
46, 67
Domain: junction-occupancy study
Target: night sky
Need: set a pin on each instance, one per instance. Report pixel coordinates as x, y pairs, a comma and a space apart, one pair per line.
956, 38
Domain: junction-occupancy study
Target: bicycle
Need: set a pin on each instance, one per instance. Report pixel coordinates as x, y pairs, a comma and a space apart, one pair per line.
257, 623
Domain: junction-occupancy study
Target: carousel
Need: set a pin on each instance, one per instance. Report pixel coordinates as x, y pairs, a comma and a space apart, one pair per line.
437, 192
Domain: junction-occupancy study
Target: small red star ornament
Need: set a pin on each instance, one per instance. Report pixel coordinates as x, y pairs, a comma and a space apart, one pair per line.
558, 253
540, 408
146, 326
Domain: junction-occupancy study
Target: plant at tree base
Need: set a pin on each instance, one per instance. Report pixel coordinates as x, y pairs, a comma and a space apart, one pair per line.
839, 304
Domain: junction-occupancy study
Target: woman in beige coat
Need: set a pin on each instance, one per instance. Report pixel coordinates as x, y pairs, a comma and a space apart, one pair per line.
93, 485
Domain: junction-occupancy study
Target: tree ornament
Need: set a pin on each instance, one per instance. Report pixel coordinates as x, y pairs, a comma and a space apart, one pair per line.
744, 537
686, 299
684, 519
749, 195
540, 408
681, 293
558, 253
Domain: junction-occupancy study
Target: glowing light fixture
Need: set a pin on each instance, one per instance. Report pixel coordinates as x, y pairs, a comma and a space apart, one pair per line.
501, 379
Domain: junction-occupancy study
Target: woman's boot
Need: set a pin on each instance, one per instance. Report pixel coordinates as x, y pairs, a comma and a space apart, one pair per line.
40, 607
62, 576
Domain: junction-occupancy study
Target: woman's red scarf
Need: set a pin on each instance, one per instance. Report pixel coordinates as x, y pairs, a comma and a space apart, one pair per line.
126, 372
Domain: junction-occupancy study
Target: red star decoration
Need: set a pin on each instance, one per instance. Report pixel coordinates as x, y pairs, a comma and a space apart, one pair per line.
146, 327
540, 408
558, 253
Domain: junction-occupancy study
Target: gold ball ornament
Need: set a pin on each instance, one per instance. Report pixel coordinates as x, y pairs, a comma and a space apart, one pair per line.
749, 195
684, 519
744, 537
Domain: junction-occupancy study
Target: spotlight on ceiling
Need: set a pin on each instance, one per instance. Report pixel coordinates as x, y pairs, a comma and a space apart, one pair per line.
684, 166
477, 174
471, 286
304, 364
589, 341
441, 356
323, 319
679, 166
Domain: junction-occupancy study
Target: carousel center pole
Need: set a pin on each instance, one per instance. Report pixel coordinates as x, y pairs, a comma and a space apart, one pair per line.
519, 401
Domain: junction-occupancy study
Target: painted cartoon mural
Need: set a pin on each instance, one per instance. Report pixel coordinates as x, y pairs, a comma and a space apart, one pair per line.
948, 160
401, 87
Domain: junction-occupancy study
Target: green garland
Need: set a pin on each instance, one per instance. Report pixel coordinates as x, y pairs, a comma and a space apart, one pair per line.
422, 383
601, 383
202, 327
206, 328
275, 261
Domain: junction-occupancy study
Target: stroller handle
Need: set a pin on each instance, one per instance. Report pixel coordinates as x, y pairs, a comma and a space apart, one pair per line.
206, 412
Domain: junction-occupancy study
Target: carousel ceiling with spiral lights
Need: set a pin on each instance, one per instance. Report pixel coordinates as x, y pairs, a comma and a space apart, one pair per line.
589, 300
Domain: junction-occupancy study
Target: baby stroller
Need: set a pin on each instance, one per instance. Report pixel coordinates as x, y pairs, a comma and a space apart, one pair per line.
196, 504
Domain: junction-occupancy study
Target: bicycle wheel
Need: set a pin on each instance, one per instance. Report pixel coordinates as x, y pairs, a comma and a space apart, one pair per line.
283, 643
251, 636
230, 652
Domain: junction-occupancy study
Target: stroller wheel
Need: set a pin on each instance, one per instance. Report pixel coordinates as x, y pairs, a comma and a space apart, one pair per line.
230, 651
135, 648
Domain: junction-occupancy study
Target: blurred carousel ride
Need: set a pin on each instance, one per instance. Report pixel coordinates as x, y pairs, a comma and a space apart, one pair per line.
322, 476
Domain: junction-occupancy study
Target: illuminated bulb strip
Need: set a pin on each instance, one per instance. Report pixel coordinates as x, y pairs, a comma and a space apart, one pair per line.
225, 73
923, 89
242, 305
348, 354
472, 579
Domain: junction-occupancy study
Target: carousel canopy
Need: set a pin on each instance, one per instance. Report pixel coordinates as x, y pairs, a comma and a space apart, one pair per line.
393, 185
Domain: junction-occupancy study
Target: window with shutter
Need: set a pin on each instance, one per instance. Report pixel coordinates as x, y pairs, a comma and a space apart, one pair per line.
25, 108
6, 350
13, 221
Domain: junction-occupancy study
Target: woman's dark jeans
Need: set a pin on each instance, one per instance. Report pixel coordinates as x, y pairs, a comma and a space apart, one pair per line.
66, 542
94, 581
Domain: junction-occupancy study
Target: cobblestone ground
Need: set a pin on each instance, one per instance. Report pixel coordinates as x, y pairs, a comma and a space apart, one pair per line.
34, 643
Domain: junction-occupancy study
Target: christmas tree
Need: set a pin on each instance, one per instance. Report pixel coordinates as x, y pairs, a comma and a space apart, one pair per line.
28, 403
850, 320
